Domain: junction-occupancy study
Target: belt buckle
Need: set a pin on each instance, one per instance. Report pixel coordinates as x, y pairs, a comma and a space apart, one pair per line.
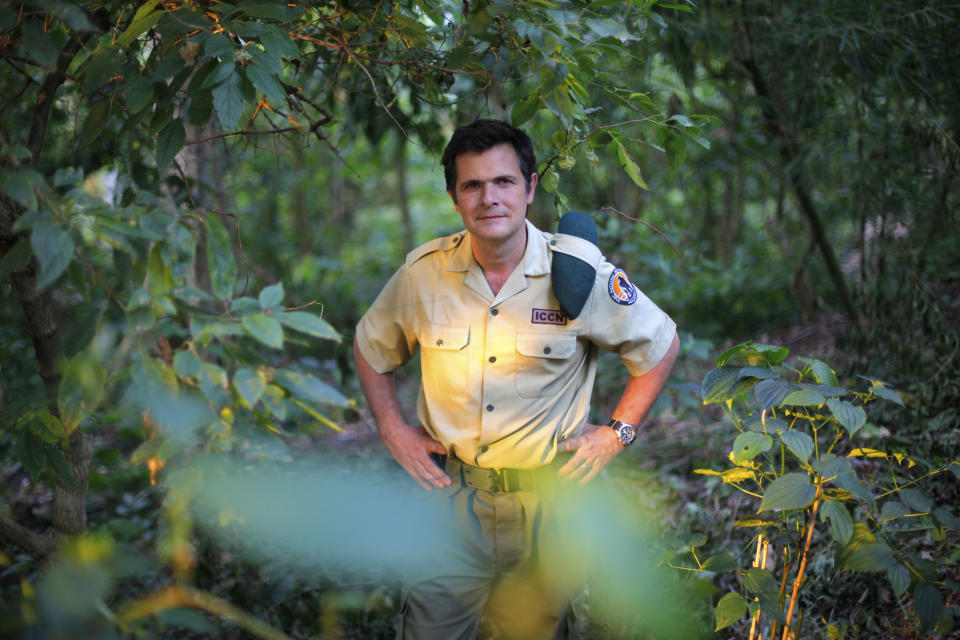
497, 480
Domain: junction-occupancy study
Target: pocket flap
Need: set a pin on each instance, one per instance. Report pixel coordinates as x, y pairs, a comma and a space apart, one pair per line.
546, 345
444, 337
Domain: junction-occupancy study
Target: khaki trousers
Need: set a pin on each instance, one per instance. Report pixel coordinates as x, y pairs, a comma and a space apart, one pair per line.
501, 568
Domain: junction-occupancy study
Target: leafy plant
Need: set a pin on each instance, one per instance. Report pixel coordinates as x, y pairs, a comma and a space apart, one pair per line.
817, 490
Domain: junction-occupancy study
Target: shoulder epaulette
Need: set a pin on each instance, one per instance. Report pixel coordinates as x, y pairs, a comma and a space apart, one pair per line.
437, 244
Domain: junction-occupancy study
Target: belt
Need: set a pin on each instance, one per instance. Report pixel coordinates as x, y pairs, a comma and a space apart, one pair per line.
501, 480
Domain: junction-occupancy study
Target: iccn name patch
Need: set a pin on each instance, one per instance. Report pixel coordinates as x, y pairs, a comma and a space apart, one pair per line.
621, 289
548, 316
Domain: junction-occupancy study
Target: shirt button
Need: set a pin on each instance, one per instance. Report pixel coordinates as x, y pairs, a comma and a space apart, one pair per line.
493, 358
494, 312
546, 349
489, 407
439, 341
484, 449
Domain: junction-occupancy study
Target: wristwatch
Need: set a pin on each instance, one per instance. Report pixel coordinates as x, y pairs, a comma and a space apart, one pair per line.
625, 432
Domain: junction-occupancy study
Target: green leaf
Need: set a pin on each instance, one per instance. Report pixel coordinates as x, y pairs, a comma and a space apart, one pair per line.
93, 124
139, 92
720, 563
159, 277
749, 445
822, 373
929, 605
39, 44
761, 582
271, 297
847, 414
265, 329
524, 109
798, 442
916, 500
218, 46
309, 388
266, 83
769, 606
277, 41
47, 427
81, 389
718, 384
630, 166
899, 576
753, 354
228, 101
609, 28
20, 187
863, 552
946, 519
53, 248
841, 524
220, 258
187, 364
804, 398
143, 20
882, 390
550, 181
275, 400
790, 491
731, 608
308, 323
57, 462
891, 510
169, 143
251, 385
15, 258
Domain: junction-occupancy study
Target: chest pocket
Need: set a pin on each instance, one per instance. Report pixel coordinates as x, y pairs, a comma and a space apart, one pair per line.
445, 360
544, 362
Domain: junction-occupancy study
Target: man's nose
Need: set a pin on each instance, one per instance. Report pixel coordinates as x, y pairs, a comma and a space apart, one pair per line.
490, 195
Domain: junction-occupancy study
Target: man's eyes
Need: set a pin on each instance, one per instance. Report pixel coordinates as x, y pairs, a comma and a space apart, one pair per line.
501, 182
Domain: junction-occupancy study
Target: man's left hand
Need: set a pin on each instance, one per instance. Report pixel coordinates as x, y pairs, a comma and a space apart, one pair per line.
595, 447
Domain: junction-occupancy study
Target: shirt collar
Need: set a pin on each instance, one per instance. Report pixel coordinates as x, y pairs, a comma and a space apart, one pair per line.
536, 256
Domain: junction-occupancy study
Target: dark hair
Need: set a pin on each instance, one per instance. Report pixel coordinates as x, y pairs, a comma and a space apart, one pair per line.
481, 135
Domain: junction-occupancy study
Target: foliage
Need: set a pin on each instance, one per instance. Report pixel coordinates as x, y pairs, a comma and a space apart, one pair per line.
816, 488
155, 330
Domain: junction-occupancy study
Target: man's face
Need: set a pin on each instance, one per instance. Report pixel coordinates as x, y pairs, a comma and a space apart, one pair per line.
491, 195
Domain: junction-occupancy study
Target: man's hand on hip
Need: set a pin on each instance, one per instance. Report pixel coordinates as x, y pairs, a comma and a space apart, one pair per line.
411, 448
595, 447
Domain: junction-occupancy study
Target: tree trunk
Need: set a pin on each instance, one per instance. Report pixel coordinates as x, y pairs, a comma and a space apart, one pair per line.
405, 217
43, 327
790, 156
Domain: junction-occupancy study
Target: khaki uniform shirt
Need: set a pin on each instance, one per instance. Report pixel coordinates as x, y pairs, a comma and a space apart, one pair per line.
505, 377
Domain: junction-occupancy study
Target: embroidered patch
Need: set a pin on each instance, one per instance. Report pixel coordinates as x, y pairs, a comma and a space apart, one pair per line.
621, 289
548, 316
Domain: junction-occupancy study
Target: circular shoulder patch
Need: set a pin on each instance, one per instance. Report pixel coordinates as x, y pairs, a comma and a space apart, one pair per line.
621, 289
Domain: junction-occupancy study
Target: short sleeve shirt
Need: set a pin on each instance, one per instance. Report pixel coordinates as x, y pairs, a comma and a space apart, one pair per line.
505, 377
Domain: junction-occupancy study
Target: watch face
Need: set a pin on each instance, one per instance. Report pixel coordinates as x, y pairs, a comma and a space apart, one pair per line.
627, 434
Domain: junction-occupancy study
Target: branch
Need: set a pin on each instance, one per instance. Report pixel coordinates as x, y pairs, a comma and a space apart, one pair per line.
184, 596
36, 545
644, 222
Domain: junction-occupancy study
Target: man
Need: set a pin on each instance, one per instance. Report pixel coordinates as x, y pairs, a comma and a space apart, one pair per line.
506, 383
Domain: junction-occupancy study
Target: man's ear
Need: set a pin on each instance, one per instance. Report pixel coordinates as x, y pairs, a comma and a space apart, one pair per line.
533, 185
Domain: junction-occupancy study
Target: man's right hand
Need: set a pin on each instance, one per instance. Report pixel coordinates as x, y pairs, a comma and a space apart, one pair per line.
411, 448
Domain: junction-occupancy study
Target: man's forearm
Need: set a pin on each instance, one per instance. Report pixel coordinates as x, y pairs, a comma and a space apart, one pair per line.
380, 392
642, 391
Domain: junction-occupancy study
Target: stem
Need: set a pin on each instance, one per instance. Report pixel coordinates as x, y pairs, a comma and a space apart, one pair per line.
787, 564
759, 560
183, 596
803, 560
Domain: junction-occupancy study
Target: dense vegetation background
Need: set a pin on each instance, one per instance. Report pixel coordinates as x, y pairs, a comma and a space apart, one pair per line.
198, 201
